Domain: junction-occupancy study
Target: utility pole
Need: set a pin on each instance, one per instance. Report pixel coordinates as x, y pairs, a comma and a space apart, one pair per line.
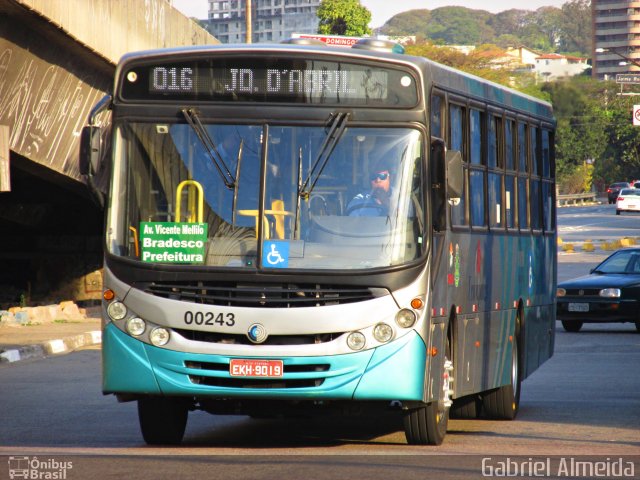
248, 17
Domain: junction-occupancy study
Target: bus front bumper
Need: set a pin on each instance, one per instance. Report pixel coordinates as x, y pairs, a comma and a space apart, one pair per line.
395, 371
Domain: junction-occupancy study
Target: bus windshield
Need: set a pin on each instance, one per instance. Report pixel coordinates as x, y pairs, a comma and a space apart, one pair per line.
267, 196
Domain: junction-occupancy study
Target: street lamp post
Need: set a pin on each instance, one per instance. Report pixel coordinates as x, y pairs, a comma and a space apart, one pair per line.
249, 34
615, 52
631, 78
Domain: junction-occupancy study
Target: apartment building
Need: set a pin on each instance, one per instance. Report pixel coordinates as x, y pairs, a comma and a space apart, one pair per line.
272, 20
616, 37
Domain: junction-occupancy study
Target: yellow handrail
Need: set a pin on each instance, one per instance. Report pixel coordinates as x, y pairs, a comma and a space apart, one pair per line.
192, 201
134, 230
278, 213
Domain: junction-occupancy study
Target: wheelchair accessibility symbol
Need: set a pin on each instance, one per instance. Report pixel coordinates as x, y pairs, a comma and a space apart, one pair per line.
275, 254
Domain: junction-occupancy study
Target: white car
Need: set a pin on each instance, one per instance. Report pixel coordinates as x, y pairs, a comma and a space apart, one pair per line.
628, 200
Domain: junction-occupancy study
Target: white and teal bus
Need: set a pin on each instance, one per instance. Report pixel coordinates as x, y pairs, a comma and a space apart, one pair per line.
240, 276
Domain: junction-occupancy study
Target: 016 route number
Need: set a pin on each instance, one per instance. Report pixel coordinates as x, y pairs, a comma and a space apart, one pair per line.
209, 318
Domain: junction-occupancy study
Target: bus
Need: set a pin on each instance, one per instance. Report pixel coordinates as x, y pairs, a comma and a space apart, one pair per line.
240, 279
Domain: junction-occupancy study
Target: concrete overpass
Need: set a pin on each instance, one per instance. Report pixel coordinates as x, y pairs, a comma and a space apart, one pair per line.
57, 59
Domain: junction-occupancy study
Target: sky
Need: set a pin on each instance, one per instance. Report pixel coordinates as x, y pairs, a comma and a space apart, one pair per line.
383, 10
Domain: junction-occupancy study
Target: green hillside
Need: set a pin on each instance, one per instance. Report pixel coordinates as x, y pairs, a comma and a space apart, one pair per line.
548, 29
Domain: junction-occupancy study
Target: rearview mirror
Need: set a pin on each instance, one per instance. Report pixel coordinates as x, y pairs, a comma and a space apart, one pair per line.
90, 150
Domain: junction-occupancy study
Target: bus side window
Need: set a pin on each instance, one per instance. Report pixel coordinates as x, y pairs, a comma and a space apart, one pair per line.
438, 184
436, 115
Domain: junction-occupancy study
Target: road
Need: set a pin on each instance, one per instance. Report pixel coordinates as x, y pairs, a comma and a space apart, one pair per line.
583, 403
596, 222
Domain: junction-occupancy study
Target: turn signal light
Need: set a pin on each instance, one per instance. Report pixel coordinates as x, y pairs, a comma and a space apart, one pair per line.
417, 303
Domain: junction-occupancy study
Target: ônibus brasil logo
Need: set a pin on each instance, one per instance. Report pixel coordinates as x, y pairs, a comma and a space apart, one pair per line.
35, 468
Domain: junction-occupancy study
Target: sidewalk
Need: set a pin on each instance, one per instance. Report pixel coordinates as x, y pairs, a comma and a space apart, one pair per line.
38, 332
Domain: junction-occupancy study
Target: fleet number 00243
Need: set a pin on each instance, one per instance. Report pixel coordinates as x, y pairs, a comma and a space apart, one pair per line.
209, 318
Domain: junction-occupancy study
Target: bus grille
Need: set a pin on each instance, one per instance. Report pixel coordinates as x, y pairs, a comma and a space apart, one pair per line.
238, 339
243, 382
261, 295
255, 383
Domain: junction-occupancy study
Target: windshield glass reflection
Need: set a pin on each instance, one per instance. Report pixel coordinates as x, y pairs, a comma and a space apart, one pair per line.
298, 197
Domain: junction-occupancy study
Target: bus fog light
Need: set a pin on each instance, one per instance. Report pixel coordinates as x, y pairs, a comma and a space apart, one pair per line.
159, 336
356, 341
136, 326
406, 318
117, 311
382, 332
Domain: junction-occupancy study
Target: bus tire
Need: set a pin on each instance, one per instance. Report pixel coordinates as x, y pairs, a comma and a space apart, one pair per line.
162, 420
571, 326
502, 403
427, 424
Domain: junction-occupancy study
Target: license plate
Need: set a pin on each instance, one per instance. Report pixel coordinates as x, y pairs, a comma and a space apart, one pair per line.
255, 368
578, 307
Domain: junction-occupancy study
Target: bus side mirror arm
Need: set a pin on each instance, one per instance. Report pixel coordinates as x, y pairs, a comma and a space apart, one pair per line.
455, 174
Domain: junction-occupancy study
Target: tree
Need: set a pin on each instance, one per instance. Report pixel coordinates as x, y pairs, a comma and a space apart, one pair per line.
547, 29
576, 27
548, 22
343, 17
594, 123
509, 22
481, 62
460, 26
581, 132
412, 22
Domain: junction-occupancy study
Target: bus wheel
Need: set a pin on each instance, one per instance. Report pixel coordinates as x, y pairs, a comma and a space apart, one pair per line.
571, 326
162, 420
502, 403
427, 424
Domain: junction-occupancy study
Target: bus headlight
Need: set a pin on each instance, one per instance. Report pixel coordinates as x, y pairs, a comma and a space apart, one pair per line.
136, 326
117, 310
406, 318
356, 341
382, 332
159, 336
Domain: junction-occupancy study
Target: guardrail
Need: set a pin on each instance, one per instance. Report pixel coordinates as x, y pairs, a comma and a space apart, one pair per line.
576, 198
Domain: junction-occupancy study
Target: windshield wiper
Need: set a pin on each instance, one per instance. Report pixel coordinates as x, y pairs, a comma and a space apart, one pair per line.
336, 130
236, 184
191, 115
296, 220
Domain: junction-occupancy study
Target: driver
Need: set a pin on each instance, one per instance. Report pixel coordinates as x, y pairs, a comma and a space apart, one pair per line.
375, 202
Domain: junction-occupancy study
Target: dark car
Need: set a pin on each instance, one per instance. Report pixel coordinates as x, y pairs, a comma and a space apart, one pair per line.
610, 293
614, 190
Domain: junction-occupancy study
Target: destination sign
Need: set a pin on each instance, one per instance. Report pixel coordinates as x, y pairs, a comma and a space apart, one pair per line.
268, 79
168, 242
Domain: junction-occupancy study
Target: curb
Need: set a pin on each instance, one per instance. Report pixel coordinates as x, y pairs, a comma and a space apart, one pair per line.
52, 347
